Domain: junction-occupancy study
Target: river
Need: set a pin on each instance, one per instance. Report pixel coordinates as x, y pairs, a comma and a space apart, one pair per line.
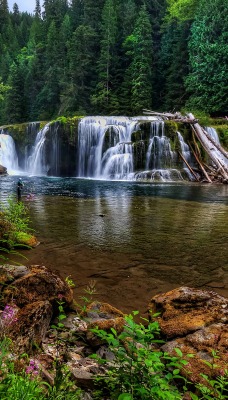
133, 240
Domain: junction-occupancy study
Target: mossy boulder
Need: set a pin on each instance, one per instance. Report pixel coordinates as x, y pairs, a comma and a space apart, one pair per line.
26, 239
40, 284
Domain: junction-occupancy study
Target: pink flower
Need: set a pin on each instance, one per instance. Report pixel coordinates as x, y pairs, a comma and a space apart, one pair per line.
33, 368
8, 315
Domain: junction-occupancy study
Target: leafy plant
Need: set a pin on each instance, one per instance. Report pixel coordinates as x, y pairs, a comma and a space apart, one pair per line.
69, 281
16, 214
90, 292
140, 370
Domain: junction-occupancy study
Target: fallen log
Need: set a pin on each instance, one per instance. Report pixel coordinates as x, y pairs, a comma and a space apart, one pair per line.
190, 169
217, 145
200, 164
217, 157
215, 152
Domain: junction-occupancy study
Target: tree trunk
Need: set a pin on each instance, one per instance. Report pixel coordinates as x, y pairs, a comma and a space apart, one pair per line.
218, 157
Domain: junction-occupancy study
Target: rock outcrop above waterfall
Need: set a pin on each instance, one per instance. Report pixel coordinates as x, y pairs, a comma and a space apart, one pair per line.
195, 321
3, 170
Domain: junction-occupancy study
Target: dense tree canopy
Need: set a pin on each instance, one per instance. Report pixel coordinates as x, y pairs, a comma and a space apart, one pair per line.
112, 57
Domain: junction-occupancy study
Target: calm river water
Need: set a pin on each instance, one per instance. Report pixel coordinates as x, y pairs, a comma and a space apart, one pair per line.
133, 239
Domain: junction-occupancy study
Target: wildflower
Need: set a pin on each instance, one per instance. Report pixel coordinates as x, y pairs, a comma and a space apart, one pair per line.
32, 368
9, 315
60, 296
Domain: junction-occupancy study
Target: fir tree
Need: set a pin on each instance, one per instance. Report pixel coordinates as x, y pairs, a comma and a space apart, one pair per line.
37, 10
140, 69
105, 98
208, 46
4, 14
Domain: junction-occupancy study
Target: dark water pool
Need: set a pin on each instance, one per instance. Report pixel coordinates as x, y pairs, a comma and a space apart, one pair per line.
133, 239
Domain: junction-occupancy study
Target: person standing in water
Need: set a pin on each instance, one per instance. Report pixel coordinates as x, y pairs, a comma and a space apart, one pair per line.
19, 188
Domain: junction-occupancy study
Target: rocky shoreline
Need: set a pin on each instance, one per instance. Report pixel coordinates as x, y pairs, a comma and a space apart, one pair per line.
195, 321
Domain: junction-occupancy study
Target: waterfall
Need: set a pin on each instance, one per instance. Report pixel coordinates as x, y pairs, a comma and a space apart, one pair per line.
36, 162
212, 133
110, 148
185, 150
159, 153
8, 154
105, 147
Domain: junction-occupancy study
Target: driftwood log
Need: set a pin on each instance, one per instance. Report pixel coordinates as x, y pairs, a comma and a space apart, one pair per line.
215, 151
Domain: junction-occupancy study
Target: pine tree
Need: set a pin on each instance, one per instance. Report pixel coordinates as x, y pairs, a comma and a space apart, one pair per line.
37, 10
16, 15
15, 102
76, 13
81, 70
174, 60
4, 14
208, 47
104, 97
139, 73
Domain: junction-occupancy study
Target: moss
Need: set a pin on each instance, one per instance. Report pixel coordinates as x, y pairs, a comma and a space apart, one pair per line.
71, 121
171, 129
222, 131
25, 239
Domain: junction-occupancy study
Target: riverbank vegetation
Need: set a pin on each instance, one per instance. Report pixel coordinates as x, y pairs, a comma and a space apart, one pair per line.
112, 57
15, 231
136, 368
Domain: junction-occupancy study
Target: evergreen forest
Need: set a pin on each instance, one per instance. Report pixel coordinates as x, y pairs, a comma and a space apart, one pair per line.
113, 57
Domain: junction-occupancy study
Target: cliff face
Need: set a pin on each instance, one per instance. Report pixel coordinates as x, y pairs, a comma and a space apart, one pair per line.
60, 154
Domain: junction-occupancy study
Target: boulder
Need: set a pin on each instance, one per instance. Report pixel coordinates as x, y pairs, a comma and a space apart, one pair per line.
3, 170
31, 325
208, 345
196, 321
40, 284
26, 240
102, 316
185, 310
9, 273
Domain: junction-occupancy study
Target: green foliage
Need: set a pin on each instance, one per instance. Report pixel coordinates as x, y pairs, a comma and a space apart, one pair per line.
3, 89
222, 131
26, 385
208, 49
112, 57
105, 91
139, 48
14, 224
181, 10
140, 370
16, 214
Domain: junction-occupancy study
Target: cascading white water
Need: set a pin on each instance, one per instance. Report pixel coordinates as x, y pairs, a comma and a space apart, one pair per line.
36, 164
212, 133
185, 150
159, 153
105, 147
8, 154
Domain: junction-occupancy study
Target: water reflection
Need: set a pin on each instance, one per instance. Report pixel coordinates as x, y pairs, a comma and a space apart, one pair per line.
136, 239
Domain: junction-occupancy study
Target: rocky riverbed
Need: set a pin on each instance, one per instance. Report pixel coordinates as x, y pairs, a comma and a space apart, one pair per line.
193, 320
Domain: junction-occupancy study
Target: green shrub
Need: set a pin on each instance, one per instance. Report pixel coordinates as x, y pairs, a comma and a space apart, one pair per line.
140, 370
